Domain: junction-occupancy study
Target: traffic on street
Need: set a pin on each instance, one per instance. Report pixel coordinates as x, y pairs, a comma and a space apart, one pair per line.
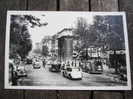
39, 75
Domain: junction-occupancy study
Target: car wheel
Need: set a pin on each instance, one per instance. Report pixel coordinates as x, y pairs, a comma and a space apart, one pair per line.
26, 75
80, 78
70, 76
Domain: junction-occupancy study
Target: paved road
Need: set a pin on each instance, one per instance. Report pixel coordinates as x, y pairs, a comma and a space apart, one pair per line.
43, 77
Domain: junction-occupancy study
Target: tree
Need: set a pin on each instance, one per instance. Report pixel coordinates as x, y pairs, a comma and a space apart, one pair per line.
110, 34
109, 31
106, 32
85, 34
20, 41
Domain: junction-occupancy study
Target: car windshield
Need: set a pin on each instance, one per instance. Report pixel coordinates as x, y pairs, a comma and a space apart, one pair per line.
69, 69
75, 69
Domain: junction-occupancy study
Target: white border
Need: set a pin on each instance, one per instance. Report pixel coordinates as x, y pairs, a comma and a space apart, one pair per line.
7, 86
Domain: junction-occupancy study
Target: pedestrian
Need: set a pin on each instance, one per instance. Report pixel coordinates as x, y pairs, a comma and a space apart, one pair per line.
44, 63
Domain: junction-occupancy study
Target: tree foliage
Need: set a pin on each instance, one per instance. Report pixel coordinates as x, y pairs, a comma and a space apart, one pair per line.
109, 30
84, 33
20, 41
106, 31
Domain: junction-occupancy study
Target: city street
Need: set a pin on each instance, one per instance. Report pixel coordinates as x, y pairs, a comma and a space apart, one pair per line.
43, 77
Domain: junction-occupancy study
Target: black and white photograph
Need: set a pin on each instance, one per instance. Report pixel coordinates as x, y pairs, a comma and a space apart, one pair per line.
67, 50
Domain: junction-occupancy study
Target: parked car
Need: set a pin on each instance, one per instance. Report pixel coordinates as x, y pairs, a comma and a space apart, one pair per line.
21, 72
123, 73
29, 61
49, 62
97, 68
72, 72
55, 67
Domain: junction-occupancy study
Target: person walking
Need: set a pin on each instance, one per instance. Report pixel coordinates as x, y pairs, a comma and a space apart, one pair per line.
44, 63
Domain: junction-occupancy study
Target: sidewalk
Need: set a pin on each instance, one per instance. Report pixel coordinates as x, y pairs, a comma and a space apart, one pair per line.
104, 78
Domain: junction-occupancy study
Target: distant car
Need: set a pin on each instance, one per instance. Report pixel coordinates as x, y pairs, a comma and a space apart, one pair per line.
123, 73
98, 69
72, 73
21, 71
55, 68
49, 62
37, 65
29, 61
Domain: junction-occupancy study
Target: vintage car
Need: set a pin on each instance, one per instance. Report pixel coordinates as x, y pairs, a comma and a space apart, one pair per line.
55, 67
21, 72
37, 64
97, 68
49, 62
72, 72
29, 60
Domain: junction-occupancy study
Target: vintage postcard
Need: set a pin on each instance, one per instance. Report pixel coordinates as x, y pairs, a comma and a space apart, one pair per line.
67, 51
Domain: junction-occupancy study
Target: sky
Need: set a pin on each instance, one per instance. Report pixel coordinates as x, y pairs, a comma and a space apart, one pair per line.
56, 22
